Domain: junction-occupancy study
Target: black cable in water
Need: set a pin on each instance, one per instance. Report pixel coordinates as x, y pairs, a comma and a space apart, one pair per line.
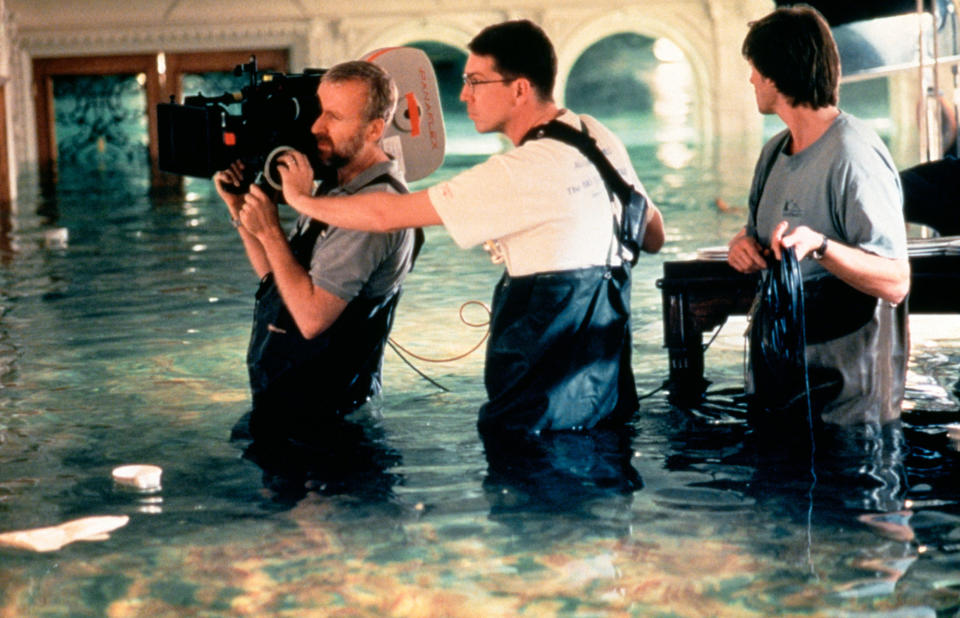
666, 383
394, 347
782, 306
784, 342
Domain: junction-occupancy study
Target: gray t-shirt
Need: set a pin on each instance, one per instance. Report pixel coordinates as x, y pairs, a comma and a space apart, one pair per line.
349, 263
844, 185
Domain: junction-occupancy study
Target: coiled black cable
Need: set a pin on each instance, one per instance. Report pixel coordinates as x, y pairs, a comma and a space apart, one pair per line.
786, 329
781, 324
784, 345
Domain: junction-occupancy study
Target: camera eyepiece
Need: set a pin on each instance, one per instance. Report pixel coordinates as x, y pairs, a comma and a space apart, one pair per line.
270, 172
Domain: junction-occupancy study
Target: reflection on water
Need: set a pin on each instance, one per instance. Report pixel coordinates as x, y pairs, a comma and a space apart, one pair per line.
344, 456
125, 344
561, 485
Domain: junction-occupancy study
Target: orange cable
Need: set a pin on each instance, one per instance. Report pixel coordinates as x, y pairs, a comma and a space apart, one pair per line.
464, 320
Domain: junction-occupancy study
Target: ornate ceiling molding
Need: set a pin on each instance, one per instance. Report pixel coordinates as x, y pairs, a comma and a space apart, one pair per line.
92, 41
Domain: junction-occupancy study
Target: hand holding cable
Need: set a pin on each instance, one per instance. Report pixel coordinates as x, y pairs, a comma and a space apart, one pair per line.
883, 277
801, 239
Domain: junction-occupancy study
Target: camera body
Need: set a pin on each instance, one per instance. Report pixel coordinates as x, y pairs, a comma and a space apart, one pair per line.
200, 137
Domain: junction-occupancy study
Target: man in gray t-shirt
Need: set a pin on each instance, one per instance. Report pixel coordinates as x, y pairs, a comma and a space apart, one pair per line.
844, 185
327, 295
827, 187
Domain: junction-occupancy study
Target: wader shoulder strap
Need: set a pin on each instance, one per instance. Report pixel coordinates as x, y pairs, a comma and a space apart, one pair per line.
767, 168
418, 236
390, 180
632, 226
587, 145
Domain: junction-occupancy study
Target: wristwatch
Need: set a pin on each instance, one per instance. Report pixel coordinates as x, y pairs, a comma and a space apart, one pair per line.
819, 252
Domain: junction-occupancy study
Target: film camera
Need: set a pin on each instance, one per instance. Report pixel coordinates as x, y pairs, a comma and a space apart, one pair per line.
199, 137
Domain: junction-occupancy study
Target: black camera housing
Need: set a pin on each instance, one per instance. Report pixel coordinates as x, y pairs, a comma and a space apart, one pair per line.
277, 110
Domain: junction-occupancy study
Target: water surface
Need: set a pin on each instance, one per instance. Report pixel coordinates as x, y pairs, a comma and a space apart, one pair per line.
123, 326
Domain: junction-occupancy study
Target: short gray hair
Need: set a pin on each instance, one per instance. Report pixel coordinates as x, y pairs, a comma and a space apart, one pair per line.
381, 89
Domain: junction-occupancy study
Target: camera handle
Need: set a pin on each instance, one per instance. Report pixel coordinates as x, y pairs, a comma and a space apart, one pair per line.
267, 178
261, 181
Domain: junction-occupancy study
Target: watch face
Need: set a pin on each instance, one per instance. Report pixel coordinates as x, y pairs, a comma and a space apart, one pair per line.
819, 251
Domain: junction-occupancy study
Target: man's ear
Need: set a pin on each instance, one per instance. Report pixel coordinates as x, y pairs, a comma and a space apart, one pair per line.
375, 129
522, 88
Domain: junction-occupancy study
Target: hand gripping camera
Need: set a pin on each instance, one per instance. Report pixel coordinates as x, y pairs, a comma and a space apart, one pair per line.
200, 137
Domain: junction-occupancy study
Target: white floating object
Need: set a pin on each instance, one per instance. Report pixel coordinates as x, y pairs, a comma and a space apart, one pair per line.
140, 476
55, 537
56, 238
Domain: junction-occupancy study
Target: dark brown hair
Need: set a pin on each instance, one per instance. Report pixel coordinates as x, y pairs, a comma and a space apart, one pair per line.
520, 48
793, 47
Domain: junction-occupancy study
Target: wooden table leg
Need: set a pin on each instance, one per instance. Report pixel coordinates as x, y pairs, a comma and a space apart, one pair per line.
684, 343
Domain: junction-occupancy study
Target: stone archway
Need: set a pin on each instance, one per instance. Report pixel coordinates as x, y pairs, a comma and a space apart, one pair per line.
590, 33
708, 31
709, 34
692, 37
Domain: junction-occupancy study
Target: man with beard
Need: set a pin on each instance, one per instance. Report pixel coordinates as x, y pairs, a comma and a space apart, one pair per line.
327, 295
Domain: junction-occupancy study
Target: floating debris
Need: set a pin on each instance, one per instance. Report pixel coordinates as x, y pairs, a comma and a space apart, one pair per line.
54, 537
56, 238
140, 476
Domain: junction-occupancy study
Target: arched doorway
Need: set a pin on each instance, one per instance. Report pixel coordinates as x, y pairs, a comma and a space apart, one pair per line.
643, 89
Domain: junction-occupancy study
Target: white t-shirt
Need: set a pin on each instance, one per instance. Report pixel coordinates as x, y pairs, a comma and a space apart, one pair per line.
543, 203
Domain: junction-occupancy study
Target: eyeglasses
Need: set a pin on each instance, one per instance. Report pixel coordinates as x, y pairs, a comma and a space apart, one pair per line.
472, 83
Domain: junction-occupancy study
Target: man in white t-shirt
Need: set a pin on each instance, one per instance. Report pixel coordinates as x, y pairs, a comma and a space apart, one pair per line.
559, 351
